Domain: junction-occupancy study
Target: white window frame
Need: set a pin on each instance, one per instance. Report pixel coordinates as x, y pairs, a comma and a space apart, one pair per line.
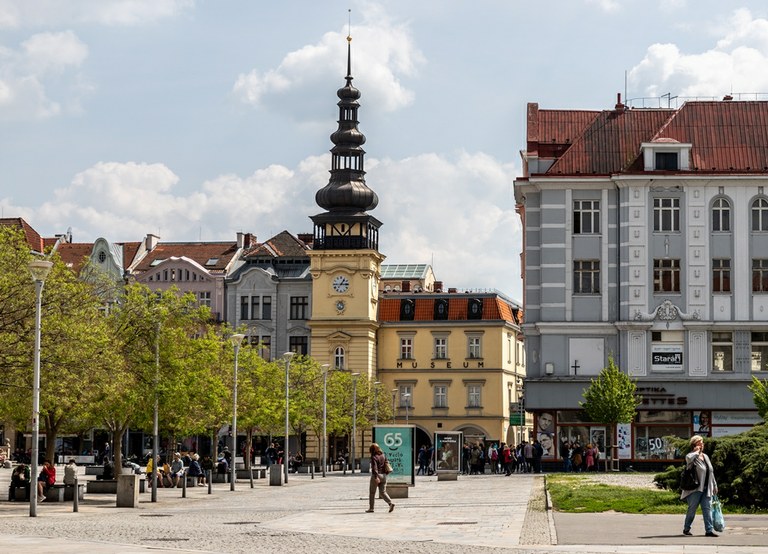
722, 342
406, 348
440, 395
339, 358
586, 214
441, 348
474, 395
665, 207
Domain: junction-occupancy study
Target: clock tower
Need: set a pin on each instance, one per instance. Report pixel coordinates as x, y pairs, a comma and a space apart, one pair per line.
345, 257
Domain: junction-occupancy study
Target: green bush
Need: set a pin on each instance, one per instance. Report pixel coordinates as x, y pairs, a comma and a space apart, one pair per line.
740, 463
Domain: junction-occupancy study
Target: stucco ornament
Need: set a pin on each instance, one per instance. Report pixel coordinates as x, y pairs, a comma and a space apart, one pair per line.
666, 311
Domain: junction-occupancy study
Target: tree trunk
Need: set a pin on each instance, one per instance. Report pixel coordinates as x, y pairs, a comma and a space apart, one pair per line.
117, 449
247, 456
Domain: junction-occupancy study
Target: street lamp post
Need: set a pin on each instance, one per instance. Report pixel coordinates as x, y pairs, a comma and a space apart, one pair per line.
236, 339
407, 400
39, 270
355, 376
394, 396
376, 402
324, 445
156, 416
287, 357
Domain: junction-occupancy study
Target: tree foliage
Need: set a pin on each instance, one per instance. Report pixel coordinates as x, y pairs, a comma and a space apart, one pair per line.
611, 399
760, 394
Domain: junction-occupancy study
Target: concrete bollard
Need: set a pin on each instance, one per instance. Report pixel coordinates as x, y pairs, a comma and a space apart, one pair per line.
209, 477
127, 490
183, 484
312, 470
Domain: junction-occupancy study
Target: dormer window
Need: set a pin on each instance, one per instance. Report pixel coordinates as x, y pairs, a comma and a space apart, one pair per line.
667, 161
666, 155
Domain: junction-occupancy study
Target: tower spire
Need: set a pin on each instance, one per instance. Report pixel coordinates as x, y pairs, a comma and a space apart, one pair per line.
346, 197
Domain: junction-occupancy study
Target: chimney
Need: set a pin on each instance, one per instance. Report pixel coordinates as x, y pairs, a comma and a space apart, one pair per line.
452, 291
727, 98
620, 108
438, 286
406, 286
151, 242
240, 239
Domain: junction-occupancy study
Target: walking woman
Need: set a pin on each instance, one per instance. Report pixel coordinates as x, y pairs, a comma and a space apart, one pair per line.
707, 487
378, 478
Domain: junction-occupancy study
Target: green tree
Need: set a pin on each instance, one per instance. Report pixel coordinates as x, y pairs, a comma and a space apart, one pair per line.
760, 394
75, 341
610, 399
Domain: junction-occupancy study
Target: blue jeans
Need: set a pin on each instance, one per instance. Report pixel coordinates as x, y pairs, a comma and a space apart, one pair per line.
694, 500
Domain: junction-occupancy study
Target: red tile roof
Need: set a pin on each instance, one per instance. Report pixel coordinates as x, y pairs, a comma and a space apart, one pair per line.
494, 308
725, 136
34, 239
200, 252
74, 254
284, 244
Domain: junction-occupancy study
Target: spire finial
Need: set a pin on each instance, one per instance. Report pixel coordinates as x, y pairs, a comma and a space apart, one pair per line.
349, 47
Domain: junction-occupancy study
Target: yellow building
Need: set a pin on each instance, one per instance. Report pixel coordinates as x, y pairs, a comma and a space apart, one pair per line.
454, 362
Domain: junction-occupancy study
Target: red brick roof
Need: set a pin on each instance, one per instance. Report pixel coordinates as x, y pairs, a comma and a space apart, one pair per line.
725, 136
494, 308
284, 244
73, 254
200, 252
33, 238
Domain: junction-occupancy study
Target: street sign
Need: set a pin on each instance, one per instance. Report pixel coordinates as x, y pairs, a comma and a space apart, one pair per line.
516, 419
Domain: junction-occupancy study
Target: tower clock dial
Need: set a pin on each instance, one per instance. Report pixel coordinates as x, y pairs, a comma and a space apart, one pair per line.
340, 283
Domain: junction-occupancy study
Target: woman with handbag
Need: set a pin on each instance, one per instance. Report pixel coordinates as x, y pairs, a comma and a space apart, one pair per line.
701, 496
379, 471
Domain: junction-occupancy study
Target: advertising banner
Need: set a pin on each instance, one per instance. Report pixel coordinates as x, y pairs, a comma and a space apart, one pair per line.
397, 443
624, 440
448, 452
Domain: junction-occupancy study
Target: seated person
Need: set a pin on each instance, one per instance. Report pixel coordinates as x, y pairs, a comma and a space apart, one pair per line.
109, 470
298, 459
45, 480
222, 466
19, 478
70, 473
194, 470
177, 469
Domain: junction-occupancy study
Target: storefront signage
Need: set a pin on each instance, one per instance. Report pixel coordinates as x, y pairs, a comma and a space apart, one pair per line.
658, 396
735, 418
667, 357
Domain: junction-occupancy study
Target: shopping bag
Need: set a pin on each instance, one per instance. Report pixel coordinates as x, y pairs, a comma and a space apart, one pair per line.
718, 521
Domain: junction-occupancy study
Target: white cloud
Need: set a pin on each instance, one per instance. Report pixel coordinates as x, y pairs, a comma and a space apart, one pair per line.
457, 211
738, 62
34, 13
25, 75
383, 53
606, 5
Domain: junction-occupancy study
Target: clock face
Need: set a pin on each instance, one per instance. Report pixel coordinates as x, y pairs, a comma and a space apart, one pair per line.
340, 283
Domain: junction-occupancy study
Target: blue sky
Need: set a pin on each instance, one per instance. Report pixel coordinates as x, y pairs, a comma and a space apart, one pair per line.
195, 119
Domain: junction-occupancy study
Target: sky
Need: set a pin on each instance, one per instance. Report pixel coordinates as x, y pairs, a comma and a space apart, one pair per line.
197, 119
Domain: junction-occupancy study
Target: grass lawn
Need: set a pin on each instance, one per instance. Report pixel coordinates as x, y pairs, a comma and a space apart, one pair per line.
576, 494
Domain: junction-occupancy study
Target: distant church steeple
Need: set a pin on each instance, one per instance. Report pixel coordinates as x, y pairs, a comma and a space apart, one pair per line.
346, 225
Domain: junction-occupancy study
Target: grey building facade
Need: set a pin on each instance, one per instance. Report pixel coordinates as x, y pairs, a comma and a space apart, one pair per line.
646, 240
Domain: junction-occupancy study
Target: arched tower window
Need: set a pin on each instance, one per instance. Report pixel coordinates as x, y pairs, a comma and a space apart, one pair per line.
339, 358
721, 215
760, 215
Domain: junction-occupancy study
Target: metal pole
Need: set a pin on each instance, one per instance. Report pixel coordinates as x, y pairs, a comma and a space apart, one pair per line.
394, 395
325, 416
287, 357
155, 418
39, 270
354, 419
376, 402
36, 400
76, 497
233, 475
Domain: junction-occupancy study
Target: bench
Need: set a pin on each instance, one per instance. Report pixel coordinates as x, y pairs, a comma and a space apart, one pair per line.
94, 470
221, 477
55, 493
20, 493
257, 472
109, 486
69, 492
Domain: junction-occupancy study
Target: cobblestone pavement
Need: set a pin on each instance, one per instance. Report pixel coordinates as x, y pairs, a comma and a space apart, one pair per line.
496, 513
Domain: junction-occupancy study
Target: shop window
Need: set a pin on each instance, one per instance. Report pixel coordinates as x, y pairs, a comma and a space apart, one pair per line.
760, 351
651, 441
722, 351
